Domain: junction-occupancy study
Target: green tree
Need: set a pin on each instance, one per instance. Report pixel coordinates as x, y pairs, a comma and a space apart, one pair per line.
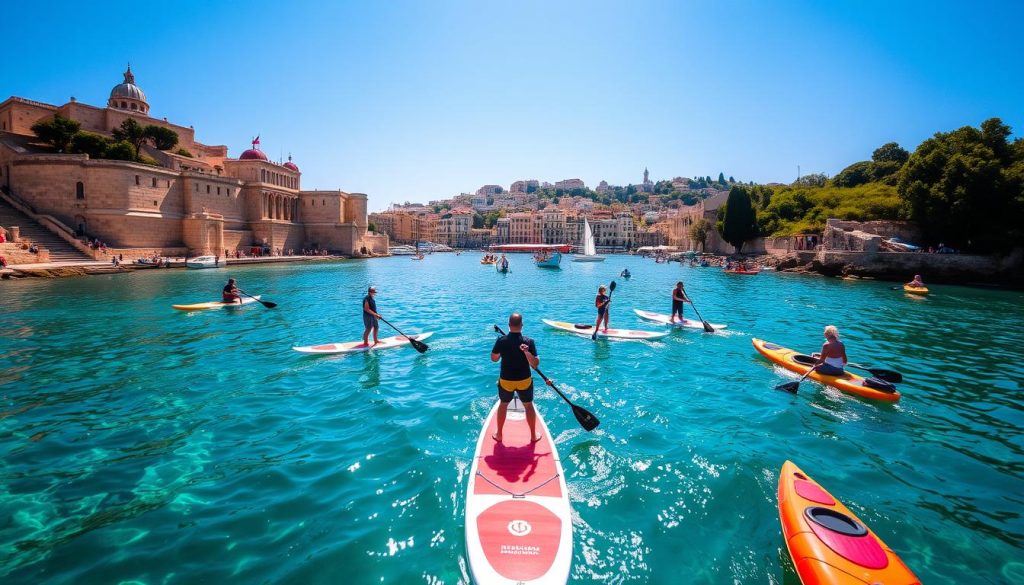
721, 178
856, 174
131, 132
56, 131
122, 150
890, 152
739, 220
371, 227
699, 231
162, 138
964, 188
478, 221
89, 143
811, 180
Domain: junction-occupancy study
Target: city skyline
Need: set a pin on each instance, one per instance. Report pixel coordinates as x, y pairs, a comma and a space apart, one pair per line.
408, 102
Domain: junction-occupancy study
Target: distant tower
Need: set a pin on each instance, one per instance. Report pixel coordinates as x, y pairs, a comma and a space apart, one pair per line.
646, 176
128, 96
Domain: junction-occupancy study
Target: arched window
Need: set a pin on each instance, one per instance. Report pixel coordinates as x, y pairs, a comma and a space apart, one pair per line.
79, 190
134, 107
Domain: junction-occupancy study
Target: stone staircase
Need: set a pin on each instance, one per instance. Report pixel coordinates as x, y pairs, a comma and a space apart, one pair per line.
60, 251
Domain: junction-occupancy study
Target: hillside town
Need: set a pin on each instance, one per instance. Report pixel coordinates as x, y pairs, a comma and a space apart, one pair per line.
535, 212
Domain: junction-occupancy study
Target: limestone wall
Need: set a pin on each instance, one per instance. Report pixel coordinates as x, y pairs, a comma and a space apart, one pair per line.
323, 206
18, 115
886, 229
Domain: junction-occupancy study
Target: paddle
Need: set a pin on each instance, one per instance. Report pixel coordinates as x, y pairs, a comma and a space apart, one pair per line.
266, 304
587, 420
792, 387
707, 326
881, 374
419, 345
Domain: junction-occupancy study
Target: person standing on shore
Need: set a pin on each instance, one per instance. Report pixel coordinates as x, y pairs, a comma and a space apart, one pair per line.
370, 316
230, 293
678, 298
518, 354
601, 301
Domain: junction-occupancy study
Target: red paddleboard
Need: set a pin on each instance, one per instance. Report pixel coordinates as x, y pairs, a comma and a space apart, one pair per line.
518, 518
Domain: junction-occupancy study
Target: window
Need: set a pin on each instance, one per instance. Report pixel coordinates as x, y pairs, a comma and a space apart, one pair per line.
197, 187
207, 189
154, 181
218, 190
79, 190
137, 180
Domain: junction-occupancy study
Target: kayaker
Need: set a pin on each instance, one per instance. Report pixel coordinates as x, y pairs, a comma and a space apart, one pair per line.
230, 293
832, 359
601, 301
625, 273
370, 316
518, 354
678, 298
917, 282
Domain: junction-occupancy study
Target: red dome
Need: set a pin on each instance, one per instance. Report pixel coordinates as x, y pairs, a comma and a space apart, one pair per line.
253, 154
292, 166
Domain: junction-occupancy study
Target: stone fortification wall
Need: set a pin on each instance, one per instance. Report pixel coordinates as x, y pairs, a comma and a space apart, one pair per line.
19, 114
323, 206
886, 229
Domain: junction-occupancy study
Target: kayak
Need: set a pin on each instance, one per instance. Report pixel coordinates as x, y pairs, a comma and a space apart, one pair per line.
795, 362
915, 290
216, 304
587, 329
356, 346
503, 268
667, 320
518, 516
827, 542
748, 272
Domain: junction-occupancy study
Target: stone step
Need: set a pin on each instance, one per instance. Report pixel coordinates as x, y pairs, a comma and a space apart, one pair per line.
39, 235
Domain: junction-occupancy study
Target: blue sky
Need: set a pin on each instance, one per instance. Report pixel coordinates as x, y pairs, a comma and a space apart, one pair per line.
414, 101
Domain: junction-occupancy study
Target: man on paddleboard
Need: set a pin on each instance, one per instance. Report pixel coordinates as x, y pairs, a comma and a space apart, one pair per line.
678, 298
230, 293
370, 316
518, 354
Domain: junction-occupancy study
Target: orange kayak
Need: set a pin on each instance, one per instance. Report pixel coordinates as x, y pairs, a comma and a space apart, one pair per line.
796, 362
829, 545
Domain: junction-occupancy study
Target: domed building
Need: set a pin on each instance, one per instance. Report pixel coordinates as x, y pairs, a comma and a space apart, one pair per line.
194, 200
128, 96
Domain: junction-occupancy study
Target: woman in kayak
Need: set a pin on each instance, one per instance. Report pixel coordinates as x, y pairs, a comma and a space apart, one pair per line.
832, 359
601, 302
917, 282
230, 293
678, 298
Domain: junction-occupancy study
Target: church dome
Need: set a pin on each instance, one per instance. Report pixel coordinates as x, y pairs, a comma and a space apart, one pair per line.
253, 154
127, 90
290, 165
127, 95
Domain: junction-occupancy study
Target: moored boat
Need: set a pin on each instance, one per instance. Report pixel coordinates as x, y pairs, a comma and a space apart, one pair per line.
206, 262
550, 259
589, 248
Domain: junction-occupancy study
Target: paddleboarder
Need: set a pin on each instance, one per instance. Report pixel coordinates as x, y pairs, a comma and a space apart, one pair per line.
832, 359
518, 354
370, 316
678, 298
230, 292
601, 301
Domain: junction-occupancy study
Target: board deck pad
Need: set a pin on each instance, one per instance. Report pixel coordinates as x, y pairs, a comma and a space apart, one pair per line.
357, 346
612, 332
518, 516
667, 320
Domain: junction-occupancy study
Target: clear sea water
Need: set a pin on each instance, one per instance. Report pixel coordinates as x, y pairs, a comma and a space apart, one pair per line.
144, 445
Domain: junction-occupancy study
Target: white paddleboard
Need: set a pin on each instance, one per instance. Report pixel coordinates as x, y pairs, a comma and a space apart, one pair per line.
587, 330
216, 304
518, 516
667, 320
356, 346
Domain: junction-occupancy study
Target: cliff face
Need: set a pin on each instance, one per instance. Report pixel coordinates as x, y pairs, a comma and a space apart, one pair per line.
901, 267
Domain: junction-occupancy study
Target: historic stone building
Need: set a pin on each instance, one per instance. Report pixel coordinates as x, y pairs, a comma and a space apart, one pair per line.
195, 199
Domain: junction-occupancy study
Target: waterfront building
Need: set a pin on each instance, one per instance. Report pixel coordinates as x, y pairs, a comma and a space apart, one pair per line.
502, 231
679, 225
194, 199
453, 228
569, 184
524, 186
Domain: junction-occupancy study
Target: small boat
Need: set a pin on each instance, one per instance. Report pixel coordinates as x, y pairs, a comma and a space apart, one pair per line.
503, 266
402, 251
827, 542
548, 259
849, 383
667, 320
486, 260
206, 262
518, 511
587, 330
357, 346
589, 249
915, 290
217, 304
417, 257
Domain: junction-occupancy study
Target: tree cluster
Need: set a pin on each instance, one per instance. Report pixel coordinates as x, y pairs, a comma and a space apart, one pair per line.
66, 136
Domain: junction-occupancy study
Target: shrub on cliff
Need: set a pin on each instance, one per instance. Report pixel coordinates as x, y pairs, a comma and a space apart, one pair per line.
56, 131
89, 143
122, 150
799, 210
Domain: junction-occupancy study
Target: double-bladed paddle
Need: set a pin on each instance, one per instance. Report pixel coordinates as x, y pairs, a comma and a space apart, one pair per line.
587, 420
707, 326
792, 387
419, 345
266, 304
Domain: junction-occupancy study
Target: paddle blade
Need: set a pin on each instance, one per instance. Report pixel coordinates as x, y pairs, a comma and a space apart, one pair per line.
611, 287
419, 345
790, 387
268, 304
707, 327
588, 421
887, 375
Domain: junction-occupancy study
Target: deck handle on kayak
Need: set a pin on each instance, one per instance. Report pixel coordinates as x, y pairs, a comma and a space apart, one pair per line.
587, 420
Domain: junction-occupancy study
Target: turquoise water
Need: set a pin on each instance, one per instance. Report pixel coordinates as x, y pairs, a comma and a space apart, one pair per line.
146, 445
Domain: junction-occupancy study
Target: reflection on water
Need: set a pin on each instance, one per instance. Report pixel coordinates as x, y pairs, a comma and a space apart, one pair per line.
142, 444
